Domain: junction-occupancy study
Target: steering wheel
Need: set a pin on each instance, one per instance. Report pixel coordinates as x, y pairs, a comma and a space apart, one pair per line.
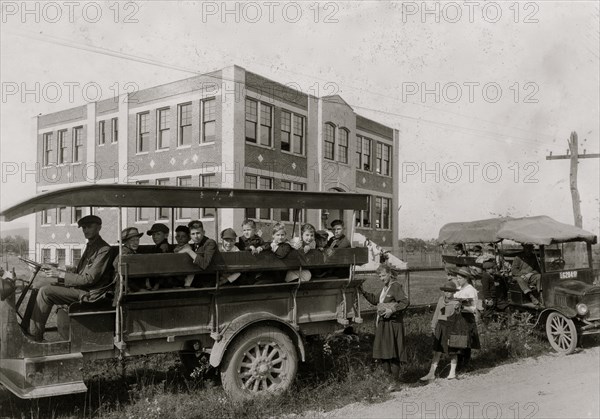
31, 262
558, 264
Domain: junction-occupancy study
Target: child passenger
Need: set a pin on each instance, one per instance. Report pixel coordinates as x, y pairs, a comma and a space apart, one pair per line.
281, 248
306, 242
228, 237
339, 240
202, 251
249, 240
160, 234
182, 237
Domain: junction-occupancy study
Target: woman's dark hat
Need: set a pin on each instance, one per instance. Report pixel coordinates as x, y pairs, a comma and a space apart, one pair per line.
158, 227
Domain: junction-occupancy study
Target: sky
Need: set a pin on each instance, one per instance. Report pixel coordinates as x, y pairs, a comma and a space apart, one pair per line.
480, 92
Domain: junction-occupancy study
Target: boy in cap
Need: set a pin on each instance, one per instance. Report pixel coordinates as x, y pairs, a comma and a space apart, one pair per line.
228, 237
338, 241
160, 234
91, 280
202, 250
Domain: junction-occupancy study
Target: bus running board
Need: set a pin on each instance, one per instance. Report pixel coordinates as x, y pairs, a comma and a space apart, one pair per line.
44, 376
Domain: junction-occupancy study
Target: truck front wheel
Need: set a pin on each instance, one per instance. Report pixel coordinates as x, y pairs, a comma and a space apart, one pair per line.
561, 332
261, 361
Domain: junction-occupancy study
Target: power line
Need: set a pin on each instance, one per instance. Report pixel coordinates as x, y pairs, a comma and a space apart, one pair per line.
105, 51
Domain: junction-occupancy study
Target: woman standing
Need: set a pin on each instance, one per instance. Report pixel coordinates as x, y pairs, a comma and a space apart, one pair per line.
467, 295
389, 332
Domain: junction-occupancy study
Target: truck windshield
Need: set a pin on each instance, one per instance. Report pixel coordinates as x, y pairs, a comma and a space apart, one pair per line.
566, 256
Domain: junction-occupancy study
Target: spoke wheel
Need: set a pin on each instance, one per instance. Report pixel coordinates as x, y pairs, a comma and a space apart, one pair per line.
561, 332
261, 361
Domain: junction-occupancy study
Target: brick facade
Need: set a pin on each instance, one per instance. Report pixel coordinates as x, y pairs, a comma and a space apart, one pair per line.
225, 161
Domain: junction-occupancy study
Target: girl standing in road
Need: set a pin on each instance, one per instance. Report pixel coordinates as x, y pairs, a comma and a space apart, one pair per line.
446, 307
389, 332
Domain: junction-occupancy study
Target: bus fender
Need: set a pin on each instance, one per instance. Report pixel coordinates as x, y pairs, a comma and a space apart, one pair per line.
241, 323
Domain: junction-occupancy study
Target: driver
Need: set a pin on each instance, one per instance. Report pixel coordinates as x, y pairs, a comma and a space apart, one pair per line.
526, 271
92, 275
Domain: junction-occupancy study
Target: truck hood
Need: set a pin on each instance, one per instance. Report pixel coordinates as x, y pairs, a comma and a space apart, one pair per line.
575, 287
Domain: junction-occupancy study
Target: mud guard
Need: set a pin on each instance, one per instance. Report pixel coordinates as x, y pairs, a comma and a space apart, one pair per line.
568, 312
234, 328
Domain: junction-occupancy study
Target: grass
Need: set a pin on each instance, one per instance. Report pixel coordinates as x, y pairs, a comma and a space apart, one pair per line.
338, 371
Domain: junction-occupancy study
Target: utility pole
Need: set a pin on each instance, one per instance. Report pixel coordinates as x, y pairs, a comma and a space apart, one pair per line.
574, 156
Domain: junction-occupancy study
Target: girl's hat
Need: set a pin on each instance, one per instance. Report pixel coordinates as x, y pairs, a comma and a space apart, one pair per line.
449, 286
129, 233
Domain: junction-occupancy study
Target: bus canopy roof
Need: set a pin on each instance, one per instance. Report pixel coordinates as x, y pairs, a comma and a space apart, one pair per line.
182, 197
540, 230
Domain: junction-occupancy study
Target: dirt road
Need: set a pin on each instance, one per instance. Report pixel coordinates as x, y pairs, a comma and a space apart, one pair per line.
551, 386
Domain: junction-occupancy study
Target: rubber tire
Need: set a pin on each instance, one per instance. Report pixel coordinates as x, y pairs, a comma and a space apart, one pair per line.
238, 350
565, 329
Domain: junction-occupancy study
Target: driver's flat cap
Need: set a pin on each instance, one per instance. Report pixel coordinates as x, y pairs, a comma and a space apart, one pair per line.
89, 219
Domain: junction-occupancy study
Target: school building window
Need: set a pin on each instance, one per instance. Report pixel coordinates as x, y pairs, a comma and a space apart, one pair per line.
185, 124
209, 120
329, 152
75, 256
382, 159
251, 120
363, 217
254, 130
292, 132
162, 213
46, 256
266, 124
62, 146
46, 217
61, 215
77, 144
287, 214
76, 214
114, 130
382, 213
363, 153
101, 132
343, 146
208, 181
142, 213
286, 131
61, 257
143, 132
48, 144
258, 182
184, 213
164, 129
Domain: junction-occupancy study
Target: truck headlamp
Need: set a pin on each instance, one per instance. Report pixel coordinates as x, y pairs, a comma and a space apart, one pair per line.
582, 309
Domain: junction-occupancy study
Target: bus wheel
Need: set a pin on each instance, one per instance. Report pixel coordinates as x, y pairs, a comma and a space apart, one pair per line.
561, 332
261, 361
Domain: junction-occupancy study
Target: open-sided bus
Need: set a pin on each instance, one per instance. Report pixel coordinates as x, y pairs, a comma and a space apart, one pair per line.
570, 300
253, 333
